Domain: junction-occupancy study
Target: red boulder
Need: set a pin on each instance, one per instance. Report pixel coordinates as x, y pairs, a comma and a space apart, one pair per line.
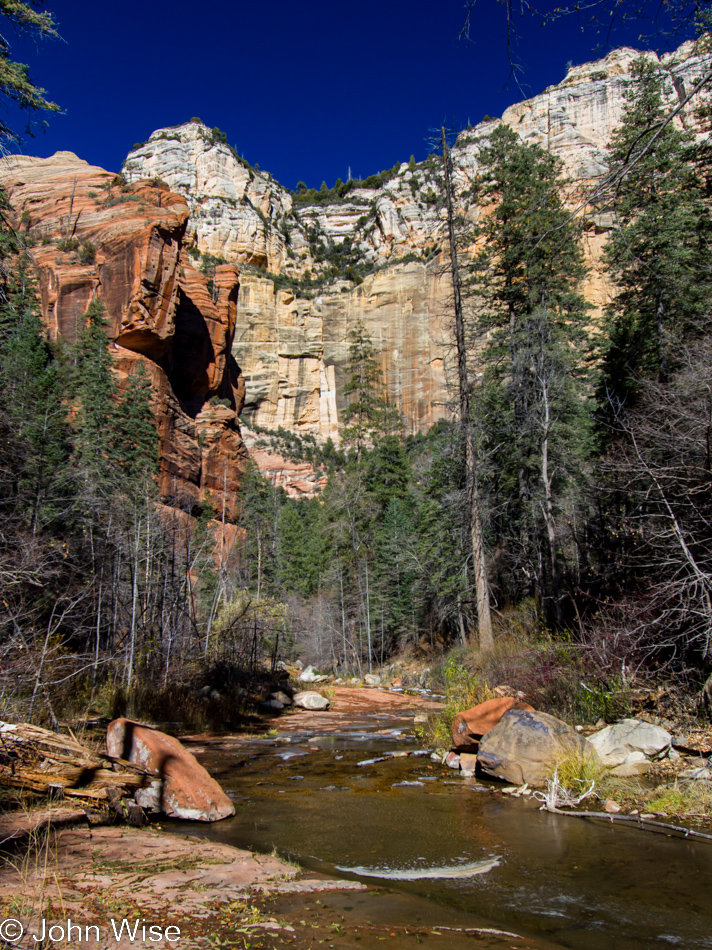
468, 727
183, 788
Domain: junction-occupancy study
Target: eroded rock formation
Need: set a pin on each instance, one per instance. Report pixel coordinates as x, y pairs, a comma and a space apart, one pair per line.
189, 193
94, 237
293, 349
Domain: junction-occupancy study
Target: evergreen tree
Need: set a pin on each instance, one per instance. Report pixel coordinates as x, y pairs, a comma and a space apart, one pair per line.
16, 87
368, 413
261, 505
658, 251
303, 546
95, 391
135, 441
31, 402
529, 304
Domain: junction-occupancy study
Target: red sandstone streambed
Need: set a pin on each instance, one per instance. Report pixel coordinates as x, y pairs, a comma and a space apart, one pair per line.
308, 791
557, 882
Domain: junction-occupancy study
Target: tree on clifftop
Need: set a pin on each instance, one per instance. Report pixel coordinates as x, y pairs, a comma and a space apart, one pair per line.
16, 87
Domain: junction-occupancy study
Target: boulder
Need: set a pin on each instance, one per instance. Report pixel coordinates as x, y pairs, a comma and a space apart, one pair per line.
397, 682
372, 679
310, 700
699, 774
615, 743
281, 697
452, 760
271, 705
309, 675
635, 763
525, 746
468, 761
183, 788
469, 726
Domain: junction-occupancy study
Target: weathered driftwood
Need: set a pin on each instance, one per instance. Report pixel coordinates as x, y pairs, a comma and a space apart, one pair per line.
647, 824
59, 765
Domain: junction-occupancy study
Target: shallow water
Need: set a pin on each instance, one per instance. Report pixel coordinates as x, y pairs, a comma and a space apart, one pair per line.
561, 882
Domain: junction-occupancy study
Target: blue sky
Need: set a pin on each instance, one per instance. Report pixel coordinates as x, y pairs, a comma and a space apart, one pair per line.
307, 91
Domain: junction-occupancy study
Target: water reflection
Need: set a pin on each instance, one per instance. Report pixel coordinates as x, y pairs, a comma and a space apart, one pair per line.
576, 884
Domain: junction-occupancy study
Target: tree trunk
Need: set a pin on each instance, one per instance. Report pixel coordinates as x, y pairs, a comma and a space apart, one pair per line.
484, 619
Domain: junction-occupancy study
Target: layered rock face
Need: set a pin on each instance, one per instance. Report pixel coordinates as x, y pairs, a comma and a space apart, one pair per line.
94, 238
293, 350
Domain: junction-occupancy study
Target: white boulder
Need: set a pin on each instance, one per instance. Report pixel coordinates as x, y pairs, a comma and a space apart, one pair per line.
310, 700
615, 743
635, 763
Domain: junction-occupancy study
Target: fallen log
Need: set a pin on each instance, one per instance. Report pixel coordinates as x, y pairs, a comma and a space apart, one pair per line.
646, 824
59, 765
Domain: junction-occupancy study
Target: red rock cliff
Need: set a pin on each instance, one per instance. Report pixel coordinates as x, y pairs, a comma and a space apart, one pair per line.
161, 311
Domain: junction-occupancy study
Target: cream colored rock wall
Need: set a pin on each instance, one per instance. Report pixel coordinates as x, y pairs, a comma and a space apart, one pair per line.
293, 352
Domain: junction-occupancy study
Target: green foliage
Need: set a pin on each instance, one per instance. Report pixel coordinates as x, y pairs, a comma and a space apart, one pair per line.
68, 244
134, 437
304, 197
301, 447
33, 469
94, 388
658, 254
577, 768
370, 411
87, 253
461, 691
16, 86
536, 423
690, 800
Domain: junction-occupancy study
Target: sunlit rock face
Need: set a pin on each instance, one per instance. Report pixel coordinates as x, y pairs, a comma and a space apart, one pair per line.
160, 311
293, 351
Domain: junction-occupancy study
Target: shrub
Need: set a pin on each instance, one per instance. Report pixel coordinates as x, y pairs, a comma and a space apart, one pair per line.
463, 690
87, 253
67, 244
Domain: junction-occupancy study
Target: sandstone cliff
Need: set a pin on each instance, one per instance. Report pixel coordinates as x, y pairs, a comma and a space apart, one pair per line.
94, 237
292, 349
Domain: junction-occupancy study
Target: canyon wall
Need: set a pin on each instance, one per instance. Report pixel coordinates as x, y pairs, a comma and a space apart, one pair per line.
292, 348
91, 236
275, 344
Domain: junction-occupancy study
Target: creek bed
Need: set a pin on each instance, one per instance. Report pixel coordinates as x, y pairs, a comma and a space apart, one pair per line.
558, 882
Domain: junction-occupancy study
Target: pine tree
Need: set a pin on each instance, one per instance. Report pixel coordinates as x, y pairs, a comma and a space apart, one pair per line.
369, 413
135, 441
31, 401
658, 251
95, 391
529, 304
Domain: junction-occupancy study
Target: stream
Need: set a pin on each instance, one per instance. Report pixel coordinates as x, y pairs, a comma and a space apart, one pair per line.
556, 882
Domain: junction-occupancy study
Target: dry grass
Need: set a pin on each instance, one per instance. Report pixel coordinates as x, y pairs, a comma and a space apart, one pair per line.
32, 879
577, 768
